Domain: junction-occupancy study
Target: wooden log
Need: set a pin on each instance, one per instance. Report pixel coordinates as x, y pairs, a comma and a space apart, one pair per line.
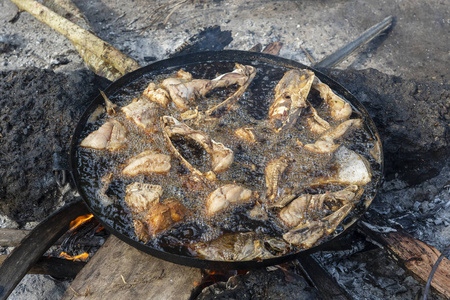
80, 36
119, 271
56, 267
414, 255
68, 10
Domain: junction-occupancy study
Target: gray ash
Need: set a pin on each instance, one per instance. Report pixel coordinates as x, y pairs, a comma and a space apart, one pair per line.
39, 112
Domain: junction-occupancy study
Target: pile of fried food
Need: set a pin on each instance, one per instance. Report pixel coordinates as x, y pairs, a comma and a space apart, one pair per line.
213, 187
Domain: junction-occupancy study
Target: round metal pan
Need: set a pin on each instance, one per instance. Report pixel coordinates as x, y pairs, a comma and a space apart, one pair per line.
133, 82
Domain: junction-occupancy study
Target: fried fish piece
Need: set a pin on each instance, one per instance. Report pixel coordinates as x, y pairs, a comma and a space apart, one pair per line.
290, 97
159, 218
246, 134
111, 136
144, 113
326, 142
315, 123
223, 197
142, 196
312, 206
157, 95
221, 156
148, 162
183, 89
350, 168
307, 234
339, 108
273, 172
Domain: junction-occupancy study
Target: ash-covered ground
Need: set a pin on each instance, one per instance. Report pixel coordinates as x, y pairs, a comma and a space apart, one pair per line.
401, 77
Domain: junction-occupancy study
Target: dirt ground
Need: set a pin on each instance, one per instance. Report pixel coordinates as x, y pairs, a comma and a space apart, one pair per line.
416, 47
411, 59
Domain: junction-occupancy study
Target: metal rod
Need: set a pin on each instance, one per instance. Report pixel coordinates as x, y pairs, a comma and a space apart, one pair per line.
348, 49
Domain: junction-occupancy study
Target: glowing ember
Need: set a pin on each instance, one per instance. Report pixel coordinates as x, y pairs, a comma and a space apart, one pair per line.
82, 257
80, 220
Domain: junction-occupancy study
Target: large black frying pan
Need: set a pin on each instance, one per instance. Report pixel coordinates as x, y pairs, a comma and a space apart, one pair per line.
135, 82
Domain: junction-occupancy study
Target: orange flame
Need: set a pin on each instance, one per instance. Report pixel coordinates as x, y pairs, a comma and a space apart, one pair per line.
82, 257
80, 220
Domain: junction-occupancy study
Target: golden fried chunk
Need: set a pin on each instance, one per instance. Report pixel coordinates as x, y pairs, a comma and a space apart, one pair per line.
141, 196
246, 134
158, 219
339, 108
148, 162
183, 89
159, 95
221, 156
225, 196
310, 206
326, 142
290, 97
111, 136
308, 233
144, 113
273, 172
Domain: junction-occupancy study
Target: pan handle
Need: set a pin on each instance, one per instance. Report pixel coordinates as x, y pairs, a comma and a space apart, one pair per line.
35, 244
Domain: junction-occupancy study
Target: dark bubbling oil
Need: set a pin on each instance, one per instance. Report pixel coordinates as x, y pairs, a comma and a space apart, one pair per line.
247, 169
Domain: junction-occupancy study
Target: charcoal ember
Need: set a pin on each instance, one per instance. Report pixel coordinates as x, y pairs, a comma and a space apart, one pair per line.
260, 284
40, 109
412, 118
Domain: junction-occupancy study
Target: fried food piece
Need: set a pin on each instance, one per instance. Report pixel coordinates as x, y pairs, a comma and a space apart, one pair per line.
144, 113
315, 123
142, 196
339, 108
326, 142
243, 75
273, 172
246, 134
111, 136
225, 196
351, 168
159, 218
148, 162
307, 234
312, 206
157, 95
240, 246
290, 98
221, 156
183, 89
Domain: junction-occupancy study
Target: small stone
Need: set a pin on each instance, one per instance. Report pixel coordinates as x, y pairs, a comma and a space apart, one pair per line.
424, 207
438, 221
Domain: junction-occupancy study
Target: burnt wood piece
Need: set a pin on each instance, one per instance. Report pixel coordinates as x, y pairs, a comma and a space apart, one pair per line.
413, 255
320, 278
256, 48
56, 267
119, 271
209, 39
273, 48
35, 244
